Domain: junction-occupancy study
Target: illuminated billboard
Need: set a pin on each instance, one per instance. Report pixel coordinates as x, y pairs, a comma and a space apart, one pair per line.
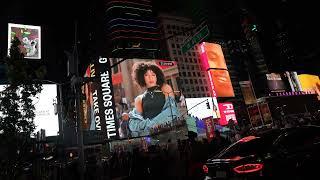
30, 38
275, 83
144, 92
310, 83
254, 115
227, 113
247, 92
45, 104
221, 82
203, 107
212, 56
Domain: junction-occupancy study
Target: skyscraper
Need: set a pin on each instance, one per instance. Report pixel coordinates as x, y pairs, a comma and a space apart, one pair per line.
131, 28
193, 80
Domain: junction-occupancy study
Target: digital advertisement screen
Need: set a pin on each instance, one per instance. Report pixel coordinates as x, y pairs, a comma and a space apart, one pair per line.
145, 94
265, 112
247, 92
310, 83
293, 80
221, 82
30, 38
227, 113
45, 105
99, 107
203, 107
212, 56
275, 83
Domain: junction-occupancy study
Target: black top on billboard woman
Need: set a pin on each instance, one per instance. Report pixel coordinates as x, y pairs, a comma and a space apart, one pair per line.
156, 105
152, 102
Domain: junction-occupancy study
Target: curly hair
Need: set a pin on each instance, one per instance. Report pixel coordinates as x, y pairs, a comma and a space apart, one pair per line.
140, 68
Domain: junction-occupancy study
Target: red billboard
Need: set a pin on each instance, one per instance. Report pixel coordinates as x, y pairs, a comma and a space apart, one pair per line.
226, 113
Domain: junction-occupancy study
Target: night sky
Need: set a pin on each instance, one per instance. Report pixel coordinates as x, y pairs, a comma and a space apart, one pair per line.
57, 21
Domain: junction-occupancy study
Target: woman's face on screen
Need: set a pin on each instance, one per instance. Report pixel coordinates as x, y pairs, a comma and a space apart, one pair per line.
150, 78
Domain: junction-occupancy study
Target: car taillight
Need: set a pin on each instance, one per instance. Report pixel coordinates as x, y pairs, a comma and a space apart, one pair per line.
205, 169
248, 168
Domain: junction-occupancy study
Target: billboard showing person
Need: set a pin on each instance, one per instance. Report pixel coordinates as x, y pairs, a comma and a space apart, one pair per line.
212, 56
222, 83
30, 38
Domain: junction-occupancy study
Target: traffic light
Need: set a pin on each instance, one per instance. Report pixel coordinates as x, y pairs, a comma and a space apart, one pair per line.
208, 105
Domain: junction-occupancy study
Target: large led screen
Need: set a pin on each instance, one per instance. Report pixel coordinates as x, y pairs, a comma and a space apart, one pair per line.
310, 83
275, 83
30, 38
227, 113
201, 108
145, 93
221, 82
45, 104
212, 56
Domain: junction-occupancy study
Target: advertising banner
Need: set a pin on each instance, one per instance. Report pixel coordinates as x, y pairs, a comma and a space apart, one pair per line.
254, 115
247, 92
226, 113
275, 83
145, 96
310, 83
265, 112
209, 128
46, 115
203, 107
212, 56
221, 82
30, 38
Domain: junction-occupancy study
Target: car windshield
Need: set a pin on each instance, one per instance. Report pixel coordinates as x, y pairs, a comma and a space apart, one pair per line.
250, 146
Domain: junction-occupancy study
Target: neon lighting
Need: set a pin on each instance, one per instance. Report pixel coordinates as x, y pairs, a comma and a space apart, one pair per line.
131, 26
144, 32
129, 3
134, 37
124, 7
248, 168
131, 20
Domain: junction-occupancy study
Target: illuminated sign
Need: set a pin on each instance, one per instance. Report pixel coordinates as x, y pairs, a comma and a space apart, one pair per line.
221, 82
227, 113
212, 56
203, 107
30, 38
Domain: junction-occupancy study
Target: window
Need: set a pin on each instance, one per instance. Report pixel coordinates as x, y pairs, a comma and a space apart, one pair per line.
202, 89
196, 81
168, 26
189, 54
178, 45
194, 74
192, 68
186, 81
193, 54
179, 52
174, 52
173, 46
191, 81
199, 76
189, 74
184, 74
197, 88
206, 88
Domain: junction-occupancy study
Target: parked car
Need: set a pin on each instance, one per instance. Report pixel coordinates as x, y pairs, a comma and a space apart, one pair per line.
290, 152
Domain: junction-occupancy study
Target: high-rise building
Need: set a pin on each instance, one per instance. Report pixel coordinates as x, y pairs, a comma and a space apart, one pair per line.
132, 29
194, 81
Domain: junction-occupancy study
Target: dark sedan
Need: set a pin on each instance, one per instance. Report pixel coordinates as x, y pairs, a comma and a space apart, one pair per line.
290, 152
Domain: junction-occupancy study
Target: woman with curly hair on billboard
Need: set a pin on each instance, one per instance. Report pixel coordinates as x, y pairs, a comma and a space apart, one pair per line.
156, 105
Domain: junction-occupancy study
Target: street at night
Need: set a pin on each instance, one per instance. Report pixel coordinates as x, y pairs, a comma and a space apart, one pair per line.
159, 89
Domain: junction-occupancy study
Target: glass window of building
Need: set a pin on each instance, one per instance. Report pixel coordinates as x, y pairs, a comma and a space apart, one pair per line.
168, 26
178, 45
194, 74
196, 81
174, 52
179, 52
193, 54
186, 81
206, 88
191, 81
197, 88
202, 89
172, 45
189, 74
199, 75
184, 74
192, 68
